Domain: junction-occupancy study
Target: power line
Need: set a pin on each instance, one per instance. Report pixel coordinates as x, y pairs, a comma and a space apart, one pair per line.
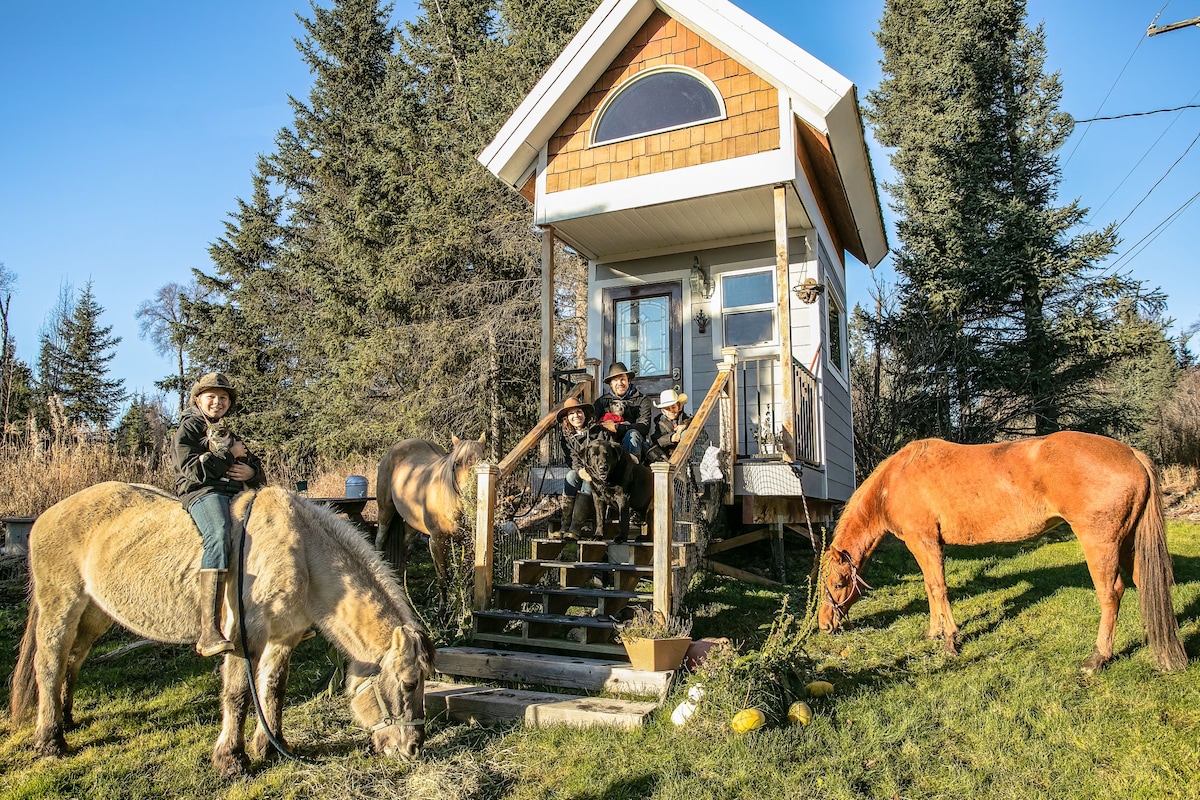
1166, 223
1137, 114
1160, 180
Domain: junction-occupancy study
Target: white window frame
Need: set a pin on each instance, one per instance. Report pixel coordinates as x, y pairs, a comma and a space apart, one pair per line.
625, 84
762, 348
840, 368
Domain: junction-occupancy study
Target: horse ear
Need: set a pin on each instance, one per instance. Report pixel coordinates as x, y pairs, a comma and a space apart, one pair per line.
454, 440
399, 640
482, 436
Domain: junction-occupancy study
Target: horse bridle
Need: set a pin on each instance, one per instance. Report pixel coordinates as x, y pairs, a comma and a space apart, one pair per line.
856, 581
386, 720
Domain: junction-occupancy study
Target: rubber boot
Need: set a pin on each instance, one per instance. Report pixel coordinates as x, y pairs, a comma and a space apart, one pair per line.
212, 596
568, 508
583, 517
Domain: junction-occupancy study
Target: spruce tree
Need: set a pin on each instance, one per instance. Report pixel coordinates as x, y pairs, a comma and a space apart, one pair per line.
88, 396
1014, 316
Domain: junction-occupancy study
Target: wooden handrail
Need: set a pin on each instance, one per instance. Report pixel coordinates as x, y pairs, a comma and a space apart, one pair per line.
510, 461
684, 450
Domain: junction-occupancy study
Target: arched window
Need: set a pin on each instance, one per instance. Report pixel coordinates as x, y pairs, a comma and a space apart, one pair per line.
657, 100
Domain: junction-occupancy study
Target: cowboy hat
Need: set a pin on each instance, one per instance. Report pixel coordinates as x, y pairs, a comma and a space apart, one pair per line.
618, 368
573, 404
215, 380
670, 398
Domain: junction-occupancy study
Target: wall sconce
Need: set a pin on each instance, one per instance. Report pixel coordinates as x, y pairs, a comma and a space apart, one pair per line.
701, 321
808, 291
700, 282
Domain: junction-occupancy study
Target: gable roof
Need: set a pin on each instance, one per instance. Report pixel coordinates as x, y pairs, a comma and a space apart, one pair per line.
821, 98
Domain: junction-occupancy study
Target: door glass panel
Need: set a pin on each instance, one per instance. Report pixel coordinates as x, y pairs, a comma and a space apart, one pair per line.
643, 335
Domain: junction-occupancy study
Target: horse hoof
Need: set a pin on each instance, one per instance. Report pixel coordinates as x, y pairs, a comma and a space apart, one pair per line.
951, 647
1093, 663
230, 766
52, 748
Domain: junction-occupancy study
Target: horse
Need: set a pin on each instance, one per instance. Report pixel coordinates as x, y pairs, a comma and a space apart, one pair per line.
932, 493
419, 488
129, 553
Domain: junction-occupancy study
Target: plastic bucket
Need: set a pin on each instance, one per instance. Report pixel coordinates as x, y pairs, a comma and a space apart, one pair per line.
356, 486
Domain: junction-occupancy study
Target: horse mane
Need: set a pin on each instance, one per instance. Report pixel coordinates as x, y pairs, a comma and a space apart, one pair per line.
348, 538
864, 519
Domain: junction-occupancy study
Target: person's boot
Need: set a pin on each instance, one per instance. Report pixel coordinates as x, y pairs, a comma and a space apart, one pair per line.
583, 517
568, 508
212, 596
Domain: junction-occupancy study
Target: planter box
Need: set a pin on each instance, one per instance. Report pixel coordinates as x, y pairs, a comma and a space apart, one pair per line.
657, 655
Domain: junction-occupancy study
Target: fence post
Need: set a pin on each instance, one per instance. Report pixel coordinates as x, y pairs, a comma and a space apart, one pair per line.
485, 521
729, 422
664, 524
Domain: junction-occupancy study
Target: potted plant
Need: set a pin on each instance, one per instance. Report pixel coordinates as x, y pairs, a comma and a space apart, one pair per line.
654, 642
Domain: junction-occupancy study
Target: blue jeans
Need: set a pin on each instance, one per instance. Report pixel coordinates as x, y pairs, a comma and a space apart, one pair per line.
211, 514
576, 485
632, 442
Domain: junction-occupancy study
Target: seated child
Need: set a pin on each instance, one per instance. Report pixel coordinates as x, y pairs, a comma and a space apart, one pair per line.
669, 426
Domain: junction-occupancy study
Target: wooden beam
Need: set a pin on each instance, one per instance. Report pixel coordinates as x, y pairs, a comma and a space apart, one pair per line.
485, 521
663, 526
738, 541
547, 355
734, 572
783, 287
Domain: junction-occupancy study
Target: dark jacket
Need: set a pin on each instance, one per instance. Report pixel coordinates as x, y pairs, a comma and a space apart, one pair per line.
638, 411
664, 428
197, 470
572, 446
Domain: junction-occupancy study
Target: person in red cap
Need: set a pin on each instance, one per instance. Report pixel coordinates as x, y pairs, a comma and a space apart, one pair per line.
211, 466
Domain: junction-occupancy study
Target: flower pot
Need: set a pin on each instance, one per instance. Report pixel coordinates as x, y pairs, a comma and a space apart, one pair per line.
657, 655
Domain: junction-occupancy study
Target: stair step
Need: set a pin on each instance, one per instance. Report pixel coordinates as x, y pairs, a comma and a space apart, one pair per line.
569, 620
591, 649
486, 704
570, 672
598, 566
571, 591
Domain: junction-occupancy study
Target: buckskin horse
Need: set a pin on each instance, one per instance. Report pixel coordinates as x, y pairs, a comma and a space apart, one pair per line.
933, 493
129, 554
419, 487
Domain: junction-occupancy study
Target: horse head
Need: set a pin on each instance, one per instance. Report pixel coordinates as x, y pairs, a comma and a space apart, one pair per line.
842, 588
464, 455
391, 703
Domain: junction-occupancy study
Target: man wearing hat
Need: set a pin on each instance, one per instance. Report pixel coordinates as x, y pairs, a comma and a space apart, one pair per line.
624, 411
209, 470
669, 426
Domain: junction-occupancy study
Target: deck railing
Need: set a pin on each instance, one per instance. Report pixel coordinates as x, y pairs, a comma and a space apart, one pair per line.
805, 397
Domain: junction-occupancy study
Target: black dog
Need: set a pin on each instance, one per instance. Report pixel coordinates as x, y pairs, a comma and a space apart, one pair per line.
617, 480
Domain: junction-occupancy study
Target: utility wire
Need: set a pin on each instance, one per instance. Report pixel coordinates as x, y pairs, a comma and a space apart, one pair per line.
1133, 169
1160, 180
1156, 231
1138, 114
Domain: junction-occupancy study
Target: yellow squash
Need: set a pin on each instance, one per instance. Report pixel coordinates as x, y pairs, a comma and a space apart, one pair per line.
747, 720
800, 713
818, 688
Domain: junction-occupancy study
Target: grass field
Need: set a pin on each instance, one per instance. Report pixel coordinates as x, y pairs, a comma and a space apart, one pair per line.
1010, 717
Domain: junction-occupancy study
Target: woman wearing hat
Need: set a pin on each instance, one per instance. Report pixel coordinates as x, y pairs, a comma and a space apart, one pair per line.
624, 411
574, 418
208, 473
669, 426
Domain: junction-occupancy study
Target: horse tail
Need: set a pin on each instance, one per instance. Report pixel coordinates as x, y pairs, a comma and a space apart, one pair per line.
1154, 577
384, 503
23, 697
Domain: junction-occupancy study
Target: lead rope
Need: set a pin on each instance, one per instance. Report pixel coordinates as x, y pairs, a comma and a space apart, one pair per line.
262, 718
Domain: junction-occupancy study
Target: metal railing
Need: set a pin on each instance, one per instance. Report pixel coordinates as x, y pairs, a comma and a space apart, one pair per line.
804, 396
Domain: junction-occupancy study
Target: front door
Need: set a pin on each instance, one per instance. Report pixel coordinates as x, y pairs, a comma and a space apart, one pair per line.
643, 330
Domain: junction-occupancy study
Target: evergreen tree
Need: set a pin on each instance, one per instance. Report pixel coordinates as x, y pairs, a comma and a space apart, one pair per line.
1015, 318
88, 396
52, 345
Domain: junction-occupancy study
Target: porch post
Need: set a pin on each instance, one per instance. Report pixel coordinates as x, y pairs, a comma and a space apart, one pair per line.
485, 520
784, 292
664, 523
593, 368
729, 422
546, 401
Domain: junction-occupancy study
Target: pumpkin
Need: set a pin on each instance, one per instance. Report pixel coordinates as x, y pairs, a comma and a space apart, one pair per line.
800, 713
818, 688
747, 720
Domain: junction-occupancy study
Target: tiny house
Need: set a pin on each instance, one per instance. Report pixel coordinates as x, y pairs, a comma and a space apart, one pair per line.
716, 177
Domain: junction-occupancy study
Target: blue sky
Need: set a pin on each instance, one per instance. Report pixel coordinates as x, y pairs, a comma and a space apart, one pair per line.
127, 131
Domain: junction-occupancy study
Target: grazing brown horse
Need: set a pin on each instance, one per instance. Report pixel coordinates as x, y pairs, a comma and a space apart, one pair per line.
129, 554
934, 493
419, 488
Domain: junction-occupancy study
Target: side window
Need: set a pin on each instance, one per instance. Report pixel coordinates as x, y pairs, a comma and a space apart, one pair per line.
657, 100
748, 308
836, 335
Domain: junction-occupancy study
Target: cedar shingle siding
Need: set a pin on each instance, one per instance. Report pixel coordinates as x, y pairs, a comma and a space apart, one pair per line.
751, 125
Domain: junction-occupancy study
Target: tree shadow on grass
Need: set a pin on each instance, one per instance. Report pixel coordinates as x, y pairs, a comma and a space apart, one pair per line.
629, 789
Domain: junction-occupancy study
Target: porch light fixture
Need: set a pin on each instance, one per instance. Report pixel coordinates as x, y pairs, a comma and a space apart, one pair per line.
809, 290
700, 282
702, 321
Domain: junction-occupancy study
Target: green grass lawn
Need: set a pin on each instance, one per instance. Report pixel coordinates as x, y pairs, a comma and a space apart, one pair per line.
1010, 717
